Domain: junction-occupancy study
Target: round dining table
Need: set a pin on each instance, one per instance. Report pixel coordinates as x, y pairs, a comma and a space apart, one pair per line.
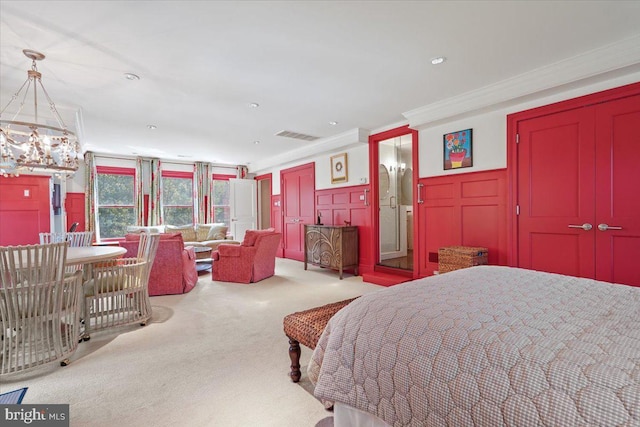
91, 254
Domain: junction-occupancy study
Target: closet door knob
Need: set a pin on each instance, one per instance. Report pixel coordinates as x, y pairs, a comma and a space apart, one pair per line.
605, 227
586, 226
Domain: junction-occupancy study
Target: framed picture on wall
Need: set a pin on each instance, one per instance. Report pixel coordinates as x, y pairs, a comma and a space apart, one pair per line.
339, 168
458, 149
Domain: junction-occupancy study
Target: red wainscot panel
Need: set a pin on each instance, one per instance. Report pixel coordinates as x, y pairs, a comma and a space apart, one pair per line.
339, 206
464, 209
25, 209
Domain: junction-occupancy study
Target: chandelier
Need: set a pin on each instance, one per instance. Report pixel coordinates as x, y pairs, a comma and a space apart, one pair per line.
32, 146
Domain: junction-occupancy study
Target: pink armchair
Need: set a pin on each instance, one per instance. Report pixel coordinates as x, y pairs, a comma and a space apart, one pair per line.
174, 268
251, 261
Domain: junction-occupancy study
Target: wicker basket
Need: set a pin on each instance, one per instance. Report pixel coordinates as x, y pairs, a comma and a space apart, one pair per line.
456, 257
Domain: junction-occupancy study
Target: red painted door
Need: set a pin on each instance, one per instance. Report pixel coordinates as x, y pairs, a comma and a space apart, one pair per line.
617, 193
577, 191
25, 209
298, 207
556, 193
74, 208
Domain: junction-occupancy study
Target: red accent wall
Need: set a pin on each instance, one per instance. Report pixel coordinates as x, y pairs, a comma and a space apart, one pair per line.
349, 204
464, 209
25, 209
74, 207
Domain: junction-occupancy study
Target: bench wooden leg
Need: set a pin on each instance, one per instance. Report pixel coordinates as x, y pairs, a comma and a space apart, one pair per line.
294, 355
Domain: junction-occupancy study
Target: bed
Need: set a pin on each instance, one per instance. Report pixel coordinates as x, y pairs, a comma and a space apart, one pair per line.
484, 346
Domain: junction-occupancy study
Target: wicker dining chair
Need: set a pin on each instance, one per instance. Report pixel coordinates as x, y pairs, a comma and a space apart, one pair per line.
32, 263
39, 307
75, 239
117, 294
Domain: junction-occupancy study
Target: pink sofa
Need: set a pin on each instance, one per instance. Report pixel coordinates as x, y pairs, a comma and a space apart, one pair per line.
251, 261
174, 268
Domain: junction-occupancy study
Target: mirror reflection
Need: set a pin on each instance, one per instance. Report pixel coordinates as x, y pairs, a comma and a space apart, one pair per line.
396, 202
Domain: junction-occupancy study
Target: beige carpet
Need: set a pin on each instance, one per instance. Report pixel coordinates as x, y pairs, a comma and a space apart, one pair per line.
216, 356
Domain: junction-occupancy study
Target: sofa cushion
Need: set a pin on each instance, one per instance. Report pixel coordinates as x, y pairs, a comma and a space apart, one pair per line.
218, 232
148, 229
188, 231
202, 230
164, 236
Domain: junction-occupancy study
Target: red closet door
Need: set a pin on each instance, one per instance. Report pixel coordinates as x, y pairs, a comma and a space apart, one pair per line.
578, 175
298, 206
617, 191
556, 193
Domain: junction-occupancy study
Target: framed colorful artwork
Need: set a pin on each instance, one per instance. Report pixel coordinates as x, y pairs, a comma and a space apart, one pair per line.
458, 149
339, 168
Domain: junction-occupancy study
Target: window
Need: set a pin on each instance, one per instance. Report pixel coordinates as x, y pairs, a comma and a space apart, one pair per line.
177, 197
221, 205
116, 208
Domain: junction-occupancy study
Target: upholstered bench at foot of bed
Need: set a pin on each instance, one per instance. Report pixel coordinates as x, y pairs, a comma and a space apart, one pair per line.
305, 327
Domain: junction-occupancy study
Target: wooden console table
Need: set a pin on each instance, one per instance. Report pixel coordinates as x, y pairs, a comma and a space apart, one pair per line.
334, 247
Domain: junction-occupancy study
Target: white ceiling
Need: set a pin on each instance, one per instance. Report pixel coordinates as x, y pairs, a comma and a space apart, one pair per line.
201, 63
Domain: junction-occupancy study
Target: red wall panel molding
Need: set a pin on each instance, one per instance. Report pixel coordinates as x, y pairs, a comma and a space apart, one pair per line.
25, 209
337, 206
464, 209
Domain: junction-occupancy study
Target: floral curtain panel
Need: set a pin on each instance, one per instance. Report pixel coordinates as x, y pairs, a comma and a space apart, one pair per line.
202, 191
138, 195
155, 193
91, 193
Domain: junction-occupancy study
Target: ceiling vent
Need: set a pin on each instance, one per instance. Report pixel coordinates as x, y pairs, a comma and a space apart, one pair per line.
295, 135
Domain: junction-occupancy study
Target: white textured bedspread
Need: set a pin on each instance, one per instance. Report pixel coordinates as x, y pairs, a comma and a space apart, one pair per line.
487, 346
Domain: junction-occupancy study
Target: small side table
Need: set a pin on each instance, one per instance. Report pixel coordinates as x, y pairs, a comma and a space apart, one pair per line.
203, 258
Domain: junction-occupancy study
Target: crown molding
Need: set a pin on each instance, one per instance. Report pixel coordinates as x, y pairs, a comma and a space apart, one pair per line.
590, 64
344, 140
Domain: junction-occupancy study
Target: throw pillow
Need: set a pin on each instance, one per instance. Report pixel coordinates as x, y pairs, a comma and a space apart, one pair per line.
218, 232
202, 231
142, 229
188, 232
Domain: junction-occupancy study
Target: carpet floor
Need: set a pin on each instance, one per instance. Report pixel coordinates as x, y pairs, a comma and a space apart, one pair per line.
216, 356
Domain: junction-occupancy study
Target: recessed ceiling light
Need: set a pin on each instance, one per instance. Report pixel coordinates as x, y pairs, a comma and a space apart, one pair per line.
152, 127
254, 105
131, 76
333, 123
256, 142
438, 60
